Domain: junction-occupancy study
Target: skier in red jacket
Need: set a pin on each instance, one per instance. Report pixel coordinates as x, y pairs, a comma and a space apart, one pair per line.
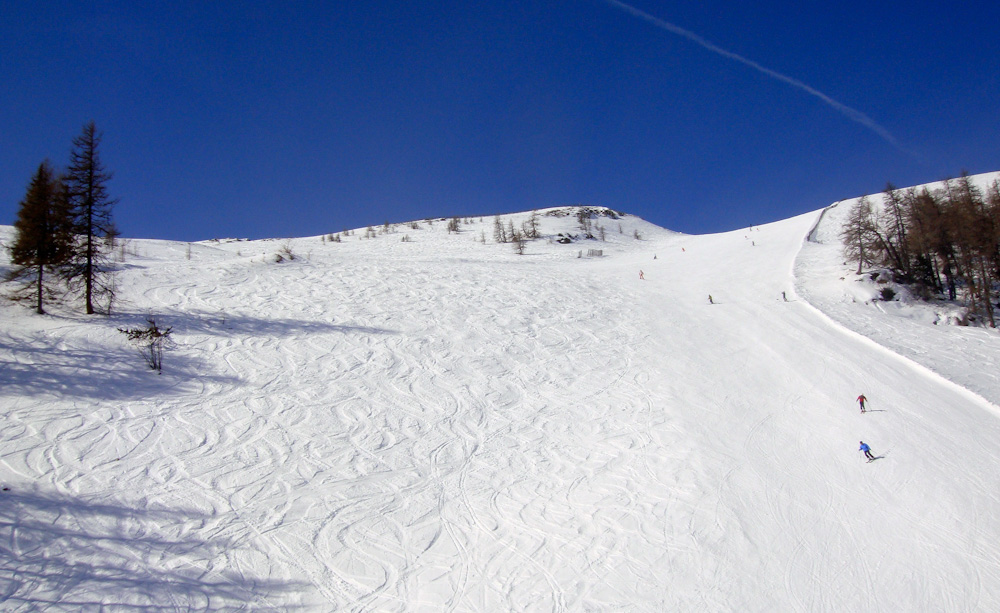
861, 401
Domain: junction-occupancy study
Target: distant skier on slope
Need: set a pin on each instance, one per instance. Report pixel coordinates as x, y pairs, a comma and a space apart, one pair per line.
868, 451
861, 402
641, 276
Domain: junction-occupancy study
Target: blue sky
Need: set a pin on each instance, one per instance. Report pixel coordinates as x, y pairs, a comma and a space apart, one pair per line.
275, 119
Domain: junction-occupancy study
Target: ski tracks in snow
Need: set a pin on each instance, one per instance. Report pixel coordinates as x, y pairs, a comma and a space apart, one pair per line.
374, 428
421, 474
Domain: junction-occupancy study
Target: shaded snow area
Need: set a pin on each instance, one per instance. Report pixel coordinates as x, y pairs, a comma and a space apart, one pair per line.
445, 425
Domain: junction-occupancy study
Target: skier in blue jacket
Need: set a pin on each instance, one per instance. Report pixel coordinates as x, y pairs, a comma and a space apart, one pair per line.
868, 451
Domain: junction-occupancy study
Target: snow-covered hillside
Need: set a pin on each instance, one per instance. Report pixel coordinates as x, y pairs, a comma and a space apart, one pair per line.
441, 424
922, 331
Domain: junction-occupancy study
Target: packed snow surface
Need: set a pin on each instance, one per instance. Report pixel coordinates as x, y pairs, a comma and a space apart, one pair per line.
441, 424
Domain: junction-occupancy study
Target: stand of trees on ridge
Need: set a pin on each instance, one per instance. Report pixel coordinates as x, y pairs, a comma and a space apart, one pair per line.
64, 232
943, 243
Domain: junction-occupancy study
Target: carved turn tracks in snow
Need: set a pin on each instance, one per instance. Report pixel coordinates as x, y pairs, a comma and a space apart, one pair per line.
443, 425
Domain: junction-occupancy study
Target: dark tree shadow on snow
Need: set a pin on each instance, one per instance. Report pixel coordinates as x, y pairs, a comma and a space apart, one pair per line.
63, 553
46, 366
226, 324
97, 373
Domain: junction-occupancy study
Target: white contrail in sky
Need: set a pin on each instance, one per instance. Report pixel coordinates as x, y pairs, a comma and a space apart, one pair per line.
843, 109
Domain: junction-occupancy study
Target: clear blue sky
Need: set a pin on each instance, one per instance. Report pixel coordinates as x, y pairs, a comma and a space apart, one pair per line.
279, 119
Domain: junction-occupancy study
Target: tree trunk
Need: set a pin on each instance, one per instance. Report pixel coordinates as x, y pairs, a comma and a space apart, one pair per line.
38, 306
89, 275
987, 304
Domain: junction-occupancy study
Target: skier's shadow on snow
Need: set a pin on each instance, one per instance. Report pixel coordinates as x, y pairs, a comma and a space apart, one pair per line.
111, 555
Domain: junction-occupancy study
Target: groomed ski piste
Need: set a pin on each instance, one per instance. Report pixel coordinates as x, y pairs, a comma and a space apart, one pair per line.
442, 424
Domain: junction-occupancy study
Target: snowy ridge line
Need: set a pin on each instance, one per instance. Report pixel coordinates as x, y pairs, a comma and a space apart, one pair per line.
811, 235
918, 367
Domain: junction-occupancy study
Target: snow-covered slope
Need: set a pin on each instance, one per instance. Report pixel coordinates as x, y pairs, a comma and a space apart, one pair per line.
442, 424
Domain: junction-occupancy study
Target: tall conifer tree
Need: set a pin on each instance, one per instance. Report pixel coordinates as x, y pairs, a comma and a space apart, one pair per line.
43, 239
93, 224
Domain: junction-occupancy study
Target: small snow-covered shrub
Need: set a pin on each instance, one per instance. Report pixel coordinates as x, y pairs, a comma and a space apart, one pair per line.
285, 253
150, 341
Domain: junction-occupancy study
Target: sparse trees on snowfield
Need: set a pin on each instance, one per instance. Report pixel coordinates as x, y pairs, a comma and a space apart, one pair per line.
65, 228
499, 233
519, 241
531, 226
43, 239
939, 241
